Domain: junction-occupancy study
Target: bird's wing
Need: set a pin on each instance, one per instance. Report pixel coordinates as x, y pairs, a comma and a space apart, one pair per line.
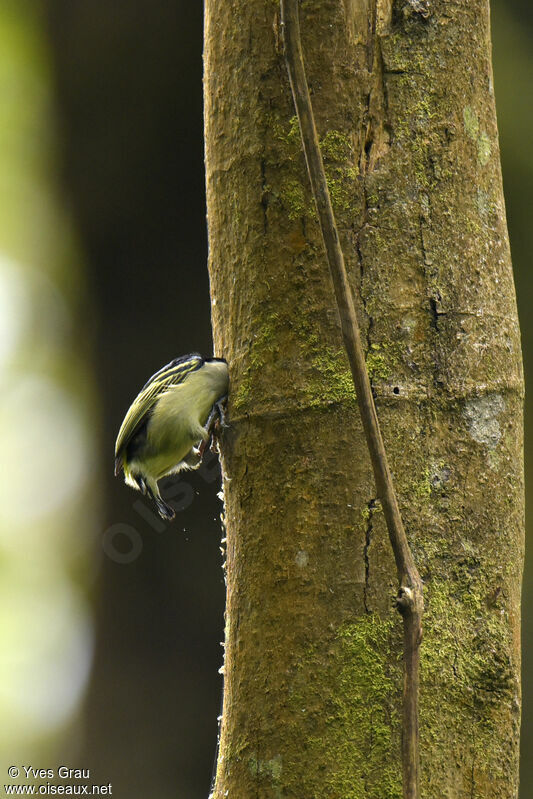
172, 374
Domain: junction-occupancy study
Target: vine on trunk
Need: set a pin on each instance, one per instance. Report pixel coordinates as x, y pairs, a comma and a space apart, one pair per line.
409, 602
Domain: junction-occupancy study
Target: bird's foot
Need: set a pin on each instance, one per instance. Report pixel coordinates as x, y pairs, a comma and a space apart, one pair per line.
221, 410
164, 510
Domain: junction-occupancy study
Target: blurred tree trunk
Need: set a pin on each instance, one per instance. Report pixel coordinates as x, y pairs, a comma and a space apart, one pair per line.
405, 110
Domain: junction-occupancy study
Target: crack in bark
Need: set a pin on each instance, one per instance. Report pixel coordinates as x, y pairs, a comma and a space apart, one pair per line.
375, 141
372, 22
421, 220
371, 506
434, 311
377, 133
370, 321
360, 259
432, 292
454, 665
361, 292
264, 200
434, 322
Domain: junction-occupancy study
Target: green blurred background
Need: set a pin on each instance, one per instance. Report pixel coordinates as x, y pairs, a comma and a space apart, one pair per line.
111, 620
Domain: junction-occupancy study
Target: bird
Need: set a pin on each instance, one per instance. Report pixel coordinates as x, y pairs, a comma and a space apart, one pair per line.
168, 425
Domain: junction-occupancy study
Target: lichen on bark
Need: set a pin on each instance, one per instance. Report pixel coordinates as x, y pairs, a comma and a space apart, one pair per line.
405, 109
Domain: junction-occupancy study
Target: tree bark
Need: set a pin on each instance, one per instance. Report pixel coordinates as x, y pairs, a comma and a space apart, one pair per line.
405, 112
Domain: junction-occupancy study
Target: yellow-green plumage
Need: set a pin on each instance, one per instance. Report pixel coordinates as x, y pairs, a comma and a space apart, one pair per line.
166, 422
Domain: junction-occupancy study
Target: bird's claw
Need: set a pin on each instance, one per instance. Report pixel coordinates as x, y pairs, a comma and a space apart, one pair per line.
221, 409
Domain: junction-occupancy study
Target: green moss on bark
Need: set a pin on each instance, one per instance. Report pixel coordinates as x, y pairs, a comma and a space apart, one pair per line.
361, 728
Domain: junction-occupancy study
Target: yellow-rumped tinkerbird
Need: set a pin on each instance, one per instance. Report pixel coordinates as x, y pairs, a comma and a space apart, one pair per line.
169, 423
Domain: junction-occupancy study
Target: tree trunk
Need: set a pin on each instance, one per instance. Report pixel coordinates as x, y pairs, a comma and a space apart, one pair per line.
313, 678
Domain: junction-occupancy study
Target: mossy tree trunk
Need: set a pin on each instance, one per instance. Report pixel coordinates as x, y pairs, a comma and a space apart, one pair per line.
313, 675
